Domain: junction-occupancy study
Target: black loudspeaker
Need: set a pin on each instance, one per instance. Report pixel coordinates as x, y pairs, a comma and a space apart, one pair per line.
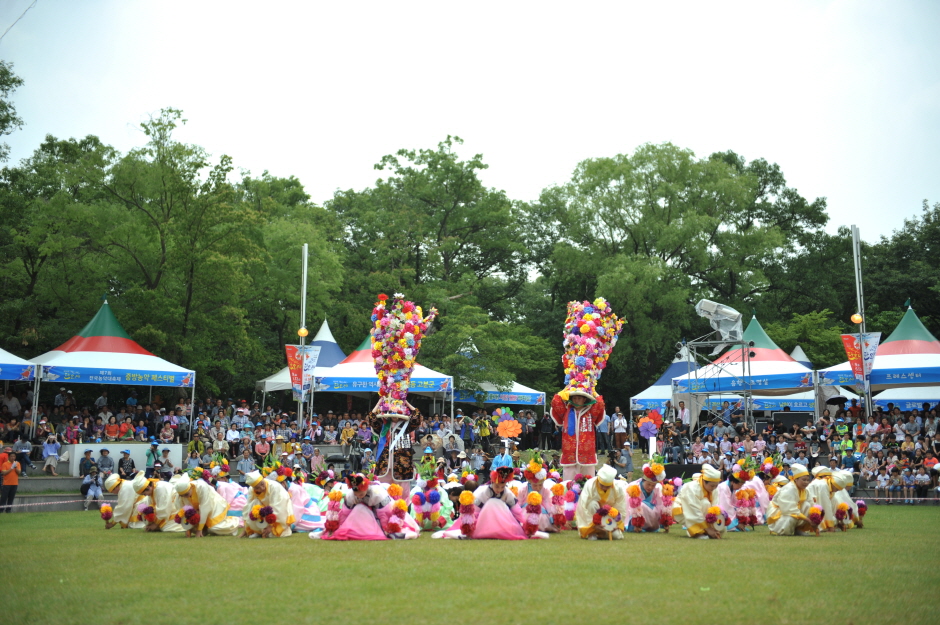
789, 418
684, 471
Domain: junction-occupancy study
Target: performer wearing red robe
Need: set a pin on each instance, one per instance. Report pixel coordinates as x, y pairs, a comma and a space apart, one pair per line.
577, 416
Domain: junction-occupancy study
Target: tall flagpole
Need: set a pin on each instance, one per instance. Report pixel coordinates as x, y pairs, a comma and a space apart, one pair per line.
860, 301
302, 333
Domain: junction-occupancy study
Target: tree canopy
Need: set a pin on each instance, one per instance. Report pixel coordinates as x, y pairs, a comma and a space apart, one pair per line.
202, 265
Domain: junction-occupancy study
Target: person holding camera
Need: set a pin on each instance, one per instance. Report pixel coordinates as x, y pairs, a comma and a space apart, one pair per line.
91, 487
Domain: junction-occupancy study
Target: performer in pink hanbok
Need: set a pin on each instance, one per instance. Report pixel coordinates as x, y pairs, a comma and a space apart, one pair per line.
366, 511
759, 484
307, 514
552, 514
647, 507
236, 497
494, 518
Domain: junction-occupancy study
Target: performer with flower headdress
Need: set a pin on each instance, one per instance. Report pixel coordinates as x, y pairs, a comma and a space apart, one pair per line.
398, 328
539, 480
210, 508
646, 500
737, 501
125, 511
697, 506
761, 484
791, 510
591, 332
365, 510
487, 513
159, 505
599, 513
431, 508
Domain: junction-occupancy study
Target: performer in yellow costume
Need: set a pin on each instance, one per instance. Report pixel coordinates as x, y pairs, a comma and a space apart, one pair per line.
788, 513
697, 506
600, 496
845, 479
125, 510
820, 492
162, 497
212, 507
264, 494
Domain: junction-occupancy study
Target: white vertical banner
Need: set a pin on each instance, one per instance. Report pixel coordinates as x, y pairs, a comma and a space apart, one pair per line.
870, 341
311, 354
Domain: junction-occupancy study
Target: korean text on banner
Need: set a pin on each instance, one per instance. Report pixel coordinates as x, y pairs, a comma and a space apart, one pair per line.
854, 353
294, 365
301, 357
870, 341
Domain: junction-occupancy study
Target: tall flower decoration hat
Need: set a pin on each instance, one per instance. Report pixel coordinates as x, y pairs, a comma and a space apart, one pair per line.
591, 332
398, 326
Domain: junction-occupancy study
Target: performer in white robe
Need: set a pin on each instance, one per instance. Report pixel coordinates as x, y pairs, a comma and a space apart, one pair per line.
820, 492
263, 493
789, 510
213, 510
697, 506
845, 479
162, 497
599, 492
125, 511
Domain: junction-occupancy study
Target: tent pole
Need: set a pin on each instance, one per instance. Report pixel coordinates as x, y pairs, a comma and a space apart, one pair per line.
37, 374
303, 324
264, 399
192, 409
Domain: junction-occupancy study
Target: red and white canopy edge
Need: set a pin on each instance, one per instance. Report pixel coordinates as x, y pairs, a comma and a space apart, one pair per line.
910, 356
103, 353
769, 372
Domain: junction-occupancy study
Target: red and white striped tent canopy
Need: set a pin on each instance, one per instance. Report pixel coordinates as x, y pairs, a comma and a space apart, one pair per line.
103, 353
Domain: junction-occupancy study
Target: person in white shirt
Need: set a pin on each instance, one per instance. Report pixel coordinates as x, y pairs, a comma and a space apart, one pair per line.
620, 425
12, 404
102, 401
684, 413
782, 446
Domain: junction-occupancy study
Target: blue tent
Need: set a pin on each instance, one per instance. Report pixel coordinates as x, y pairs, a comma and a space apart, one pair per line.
330, 355
657, 395
800, 356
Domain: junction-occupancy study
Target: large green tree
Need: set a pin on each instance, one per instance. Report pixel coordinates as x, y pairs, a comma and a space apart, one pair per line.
656, 230
9, 119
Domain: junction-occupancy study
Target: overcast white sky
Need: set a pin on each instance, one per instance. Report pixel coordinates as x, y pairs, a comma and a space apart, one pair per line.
844, 95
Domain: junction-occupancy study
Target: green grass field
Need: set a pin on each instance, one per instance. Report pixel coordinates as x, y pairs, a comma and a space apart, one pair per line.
64, 568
